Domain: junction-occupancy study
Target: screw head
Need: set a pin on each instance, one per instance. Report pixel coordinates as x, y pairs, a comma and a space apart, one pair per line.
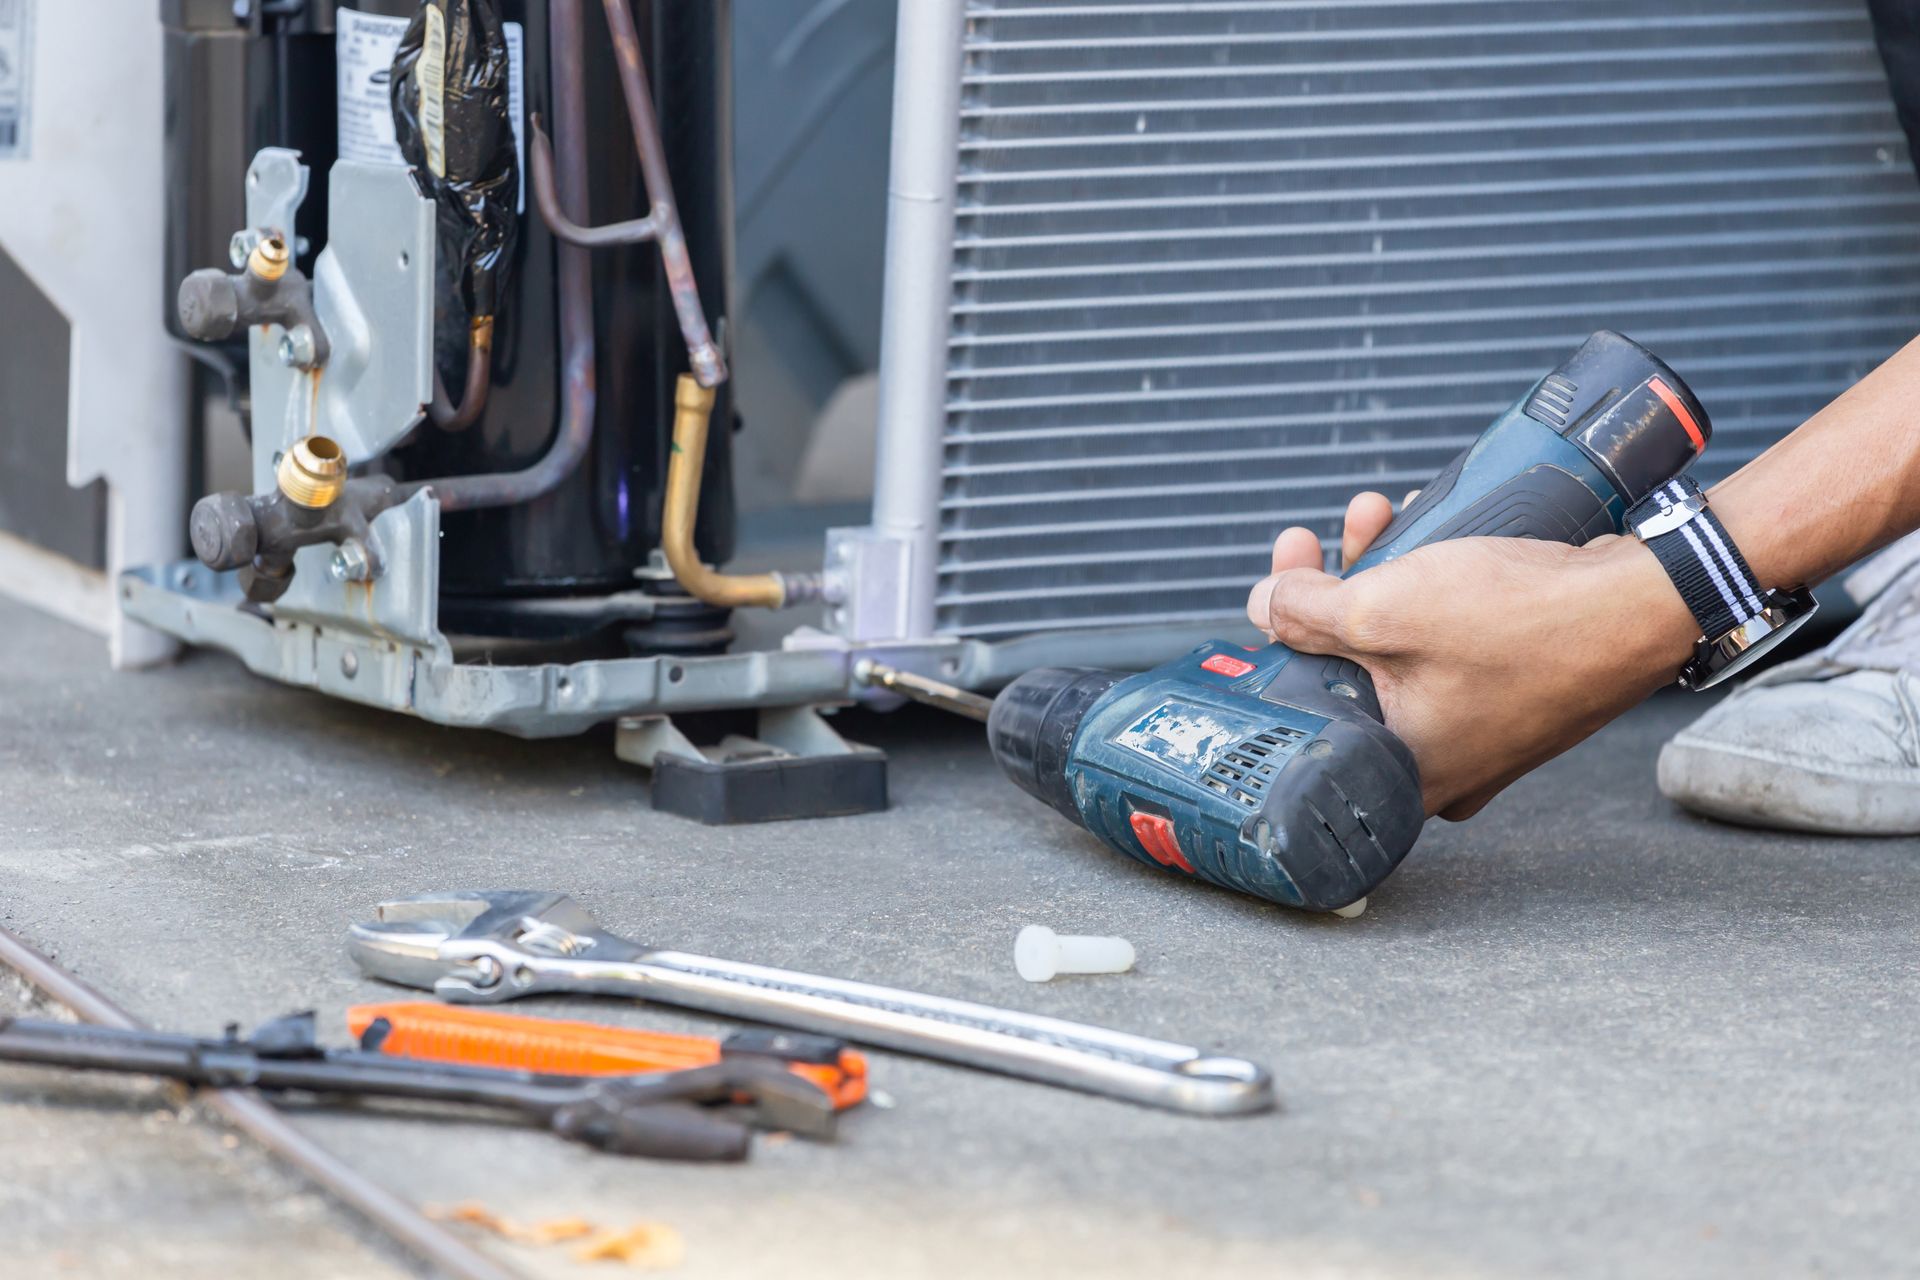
349, 665
350, 563
296, 348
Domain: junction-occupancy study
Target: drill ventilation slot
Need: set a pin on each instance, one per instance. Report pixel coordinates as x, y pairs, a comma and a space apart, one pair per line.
1245, 771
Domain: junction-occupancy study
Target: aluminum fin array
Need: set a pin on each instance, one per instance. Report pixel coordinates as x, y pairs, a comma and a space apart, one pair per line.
1220, 264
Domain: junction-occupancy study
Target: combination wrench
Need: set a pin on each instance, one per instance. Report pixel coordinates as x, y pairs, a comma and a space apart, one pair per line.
486, 946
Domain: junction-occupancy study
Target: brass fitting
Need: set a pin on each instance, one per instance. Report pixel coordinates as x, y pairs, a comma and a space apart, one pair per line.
693, 404
269, 259
312, 473
480, 336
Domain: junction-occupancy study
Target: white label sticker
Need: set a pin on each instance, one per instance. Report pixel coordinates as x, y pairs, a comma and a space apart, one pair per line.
364, 45
517, 104
16, 66
431, 72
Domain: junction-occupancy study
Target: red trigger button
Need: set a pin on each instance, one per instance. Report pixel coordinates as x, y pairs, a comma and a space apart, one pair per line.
1155, 834
1225, 664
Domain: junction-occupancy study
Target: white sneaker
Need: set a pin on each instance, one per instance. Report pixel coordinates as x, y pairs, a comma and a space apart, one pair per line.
1829, 742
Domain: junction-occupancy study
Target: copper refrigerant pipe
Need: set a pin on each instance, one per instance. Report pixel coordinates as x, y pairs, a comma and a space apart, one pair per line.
692, 408
479, 381
702, 354
566, 44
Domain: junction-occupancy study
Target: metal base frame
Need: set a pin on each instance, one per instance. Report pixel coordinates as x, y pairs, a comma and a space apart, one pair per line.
372, 657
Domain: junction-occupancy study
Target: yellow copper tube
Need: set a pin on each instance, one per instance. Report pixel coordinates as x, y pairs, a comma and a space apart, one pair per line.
692, 406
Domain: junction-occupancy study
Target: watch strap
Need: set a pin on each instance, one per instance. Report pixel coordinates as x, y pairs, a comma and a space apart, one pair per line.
1701, 558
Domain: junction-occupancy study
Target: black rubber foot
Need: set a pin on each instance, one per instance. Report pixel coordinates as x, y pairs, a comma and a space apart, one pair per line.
771, 790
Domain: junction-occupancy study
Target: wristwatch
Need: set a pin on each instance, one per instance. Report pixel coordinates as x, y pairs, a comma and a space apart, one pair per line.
1739, 622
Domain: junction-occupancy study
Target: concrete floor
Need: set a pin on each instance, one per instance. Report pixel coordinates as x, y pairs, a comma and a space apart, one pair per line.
1582, 1035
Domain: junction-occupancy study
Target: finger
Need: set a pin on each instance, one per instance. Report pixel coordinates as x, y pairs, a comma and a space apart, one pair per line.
1301, 608
1297, 548
1368, 515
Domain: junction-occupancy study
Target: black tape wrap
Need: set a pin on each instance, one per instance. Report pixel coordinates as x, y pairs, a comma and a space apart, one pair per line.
466, 160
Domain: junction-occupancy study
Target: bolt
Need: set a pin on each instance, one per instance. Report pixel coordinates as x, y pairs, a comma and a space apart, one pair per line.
240, 248
349, 665
296, 347
1039, 953
350, 564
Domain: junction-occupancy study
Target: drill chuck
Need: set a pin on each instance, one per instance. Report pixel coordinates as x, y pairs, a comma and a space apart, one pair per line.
1033, 724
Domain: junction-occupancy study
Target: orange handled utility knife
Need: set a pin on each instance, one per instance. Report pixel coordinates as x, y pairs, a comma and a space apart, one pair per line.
481, 1038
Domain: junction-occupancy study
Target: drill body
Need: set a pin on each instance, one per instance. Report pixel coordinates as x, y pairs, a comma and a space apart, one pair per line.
1271, 771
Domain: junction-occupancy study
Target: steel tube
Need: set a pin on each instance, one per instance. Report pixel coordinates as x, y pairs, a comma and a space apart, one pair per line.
246, 1111
918, 288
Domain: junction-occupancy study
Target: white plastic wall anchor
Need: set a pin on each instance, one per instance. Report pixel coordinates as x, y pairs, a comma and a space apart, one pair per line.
1039, 953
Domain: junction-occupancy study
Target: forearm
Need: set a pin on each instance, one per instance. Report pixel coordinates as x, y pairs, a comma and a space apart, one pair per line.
1490, 655
1844, 484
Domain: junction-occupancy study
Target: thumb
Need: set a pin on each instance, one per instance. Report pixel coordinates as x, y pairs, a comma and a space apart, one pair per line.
1303, 609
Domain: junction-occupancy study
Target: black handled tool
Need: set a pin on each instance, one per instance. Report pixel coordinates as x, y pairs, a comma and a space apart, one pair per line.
658, 1114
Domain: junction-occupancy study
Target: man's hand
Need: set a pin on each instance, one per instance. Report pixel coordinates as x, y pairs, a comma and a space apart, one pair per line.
1490, 655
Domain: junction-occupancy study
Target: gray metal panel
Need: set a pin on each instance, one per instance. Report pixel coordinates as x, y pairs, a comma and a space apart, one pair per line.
35, 502
1219, 265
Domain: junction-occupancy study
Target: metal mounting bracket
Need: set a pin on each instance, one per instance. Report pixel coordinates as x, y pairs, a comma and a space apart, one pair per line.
378, 262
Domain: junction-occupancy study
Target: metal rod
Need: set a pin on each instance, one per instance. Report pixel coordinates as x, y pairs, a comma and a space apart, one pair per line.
919, 688
917, 292
704, 356
421, 1237
566, 43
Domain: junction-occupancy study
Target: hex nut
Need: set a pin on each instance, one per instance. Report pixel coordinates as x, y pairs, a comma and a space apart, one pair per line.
297, 348
350, 563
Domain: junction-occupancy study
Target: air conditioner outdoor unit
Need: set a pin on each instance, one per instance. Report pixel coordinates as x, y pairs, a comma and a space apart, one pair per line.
1164, 278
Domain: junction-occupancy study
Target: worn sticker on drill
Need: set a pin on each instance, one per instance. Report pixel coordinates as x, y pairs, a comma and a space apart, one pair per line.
364, 45
1186, 736
16, 76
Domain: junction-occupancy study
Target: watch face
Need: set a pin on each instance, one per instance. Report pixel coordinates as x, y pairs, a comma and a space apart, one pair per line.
1734, 652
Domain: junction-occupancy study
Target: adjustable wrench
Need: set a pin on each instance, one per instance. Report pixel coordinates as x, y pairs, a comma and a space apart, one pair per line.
484, 946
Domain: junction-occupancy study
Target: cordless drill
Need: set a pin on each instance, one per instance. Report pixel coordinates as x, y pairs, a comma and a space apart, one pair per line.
1270, 771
